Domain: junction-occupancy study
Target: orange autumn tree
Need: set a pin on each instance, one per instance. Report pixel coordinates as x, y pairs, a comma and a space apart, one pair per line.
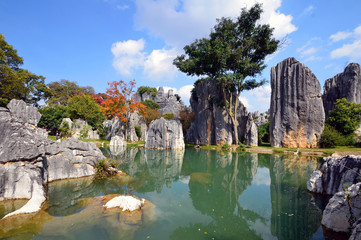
120, 102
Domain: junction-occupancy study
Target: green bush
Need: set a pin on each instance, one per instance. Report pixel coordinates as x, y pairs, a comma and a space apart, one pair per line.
168, 116
263, 133
102, 169
148, 90
226, 146
138, 130
52, 116
331, 138
150, 104
65, 129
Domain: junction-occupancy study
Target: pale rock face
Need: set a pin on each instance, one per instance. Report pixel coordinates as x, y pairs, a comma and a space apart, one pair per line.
296, 115
117, 141
344, 85
342, 209
29, 159
127, 203
165, 134
334, 174
251, 138
78, 126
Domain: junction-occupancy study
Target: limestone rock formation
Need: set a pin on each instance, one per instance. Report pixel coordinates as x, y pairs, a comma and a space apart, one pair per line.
297, 116
117, 141
251, 138
212, 125
344, 85
80, 129
343, 209
334, 174
165, 134
29, 159
260, 118
356, 232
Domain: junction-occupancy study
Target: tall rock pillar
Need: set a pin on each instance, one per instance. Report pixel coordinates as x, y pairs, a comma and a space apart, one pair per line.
297, 115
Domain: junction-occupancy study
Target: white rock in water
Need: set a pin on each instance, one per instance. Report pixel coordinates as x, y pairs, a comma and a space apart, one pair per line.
129, 203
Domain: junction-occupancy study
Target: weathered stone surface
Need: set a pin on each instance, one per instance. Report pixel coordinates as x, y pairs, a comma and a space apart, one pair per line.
356, 232
212, 125
260, 118
344, 85
115, 128
251, 138
23, 113
334, 174
28, 159
165, 134
343, 209
117, 141
297, 116
79, 126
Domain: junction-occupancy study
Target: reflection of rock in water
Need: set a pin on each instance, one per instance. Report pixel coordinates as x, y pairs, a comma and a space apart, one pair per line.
218, 175
152, 169
293, 216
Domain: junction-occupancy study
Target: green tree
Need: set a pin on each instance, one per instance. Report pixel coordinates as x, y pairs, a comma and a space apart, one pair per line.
234, 51
150, 104
345, 117
148, 90
63, 90
18, 83
52, 116
84, 107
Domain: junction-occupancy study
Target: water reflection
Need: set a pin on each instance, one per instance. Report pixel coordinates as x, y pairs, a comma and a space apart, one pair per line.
198, 194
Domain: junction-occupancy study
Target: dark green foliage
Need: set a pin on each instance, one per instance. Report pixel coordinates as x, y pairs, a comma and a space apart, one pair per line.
186, 117
51, 116
235, 50
138, 130
148, 90
168, 116
64, 129
345, 117
18, 83
150, 104
178, 97
152, 114
263, 133
84, 107
331, 138
102, 131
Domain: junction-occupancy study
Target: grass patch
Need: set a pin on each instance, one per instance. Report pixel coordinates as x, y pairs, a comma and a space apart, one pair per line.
137, 144
278, 151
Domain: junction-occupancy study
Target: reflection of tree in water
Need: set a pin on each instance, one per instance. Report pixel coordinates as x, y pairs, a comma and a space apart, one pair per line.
150, 169
217, 179
294, 214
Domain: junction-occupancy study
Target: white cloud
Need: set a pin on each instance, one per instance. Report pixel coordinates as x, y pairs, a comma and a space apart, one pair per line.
308, 10
159, 64
340, 36
245, 102
351, 50
257, 99
123, 7
180, 22
308, 51
128, 55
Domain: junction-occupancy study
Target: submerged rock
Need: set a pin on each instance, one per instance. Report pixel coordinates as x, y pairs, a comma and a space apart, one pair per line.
165, 134
344, 85
297, 116
334, 174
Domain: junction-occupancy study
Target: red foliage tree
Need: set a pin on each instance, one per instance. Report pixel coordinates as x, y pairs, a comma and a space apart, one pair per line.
120, 101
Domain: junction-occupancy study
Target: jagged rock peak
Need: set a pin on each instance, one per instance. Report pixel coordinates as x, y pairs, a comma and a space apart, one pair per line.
296, 115
344, 85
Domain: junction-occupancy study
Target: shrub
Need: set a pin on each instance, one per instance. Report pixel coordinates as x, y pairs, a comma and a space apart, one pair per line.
65, 129
138, 130
331, 138
84, 131
150, 104
278, 151
226, 146
242, 149
186, 117
168, 116
148, 90
151, 114
102, 169
263, 133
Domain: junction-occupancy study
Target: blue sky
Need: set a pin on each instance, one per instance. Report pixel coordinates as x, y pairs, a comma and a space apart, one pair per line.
93, 42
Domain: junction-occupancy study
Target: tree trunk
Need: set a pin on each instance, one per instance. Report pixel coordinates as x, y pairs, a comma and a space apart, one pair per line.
233, 116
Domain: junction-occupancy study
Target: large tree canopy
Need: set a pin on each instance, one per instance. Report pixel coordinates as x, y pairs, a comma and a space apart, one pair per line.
235, 50
16, 82
63, 90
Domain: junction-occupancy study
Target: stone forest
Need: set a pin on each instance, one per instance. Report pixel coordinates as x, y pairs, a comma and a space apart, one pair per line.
137, 163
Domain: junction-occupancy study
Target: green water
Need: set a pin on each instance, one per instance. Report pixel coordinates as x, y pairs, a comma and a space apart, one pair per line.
198, 194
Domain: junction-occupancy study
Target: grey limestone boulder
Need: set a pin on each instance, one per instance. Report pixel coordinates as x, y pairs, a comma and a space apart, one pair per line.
343, 209
118, 141
334, 174
78, 126
356, 232
165, 134
251, 138
28, 159
212, 125
344, 85
296, 115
